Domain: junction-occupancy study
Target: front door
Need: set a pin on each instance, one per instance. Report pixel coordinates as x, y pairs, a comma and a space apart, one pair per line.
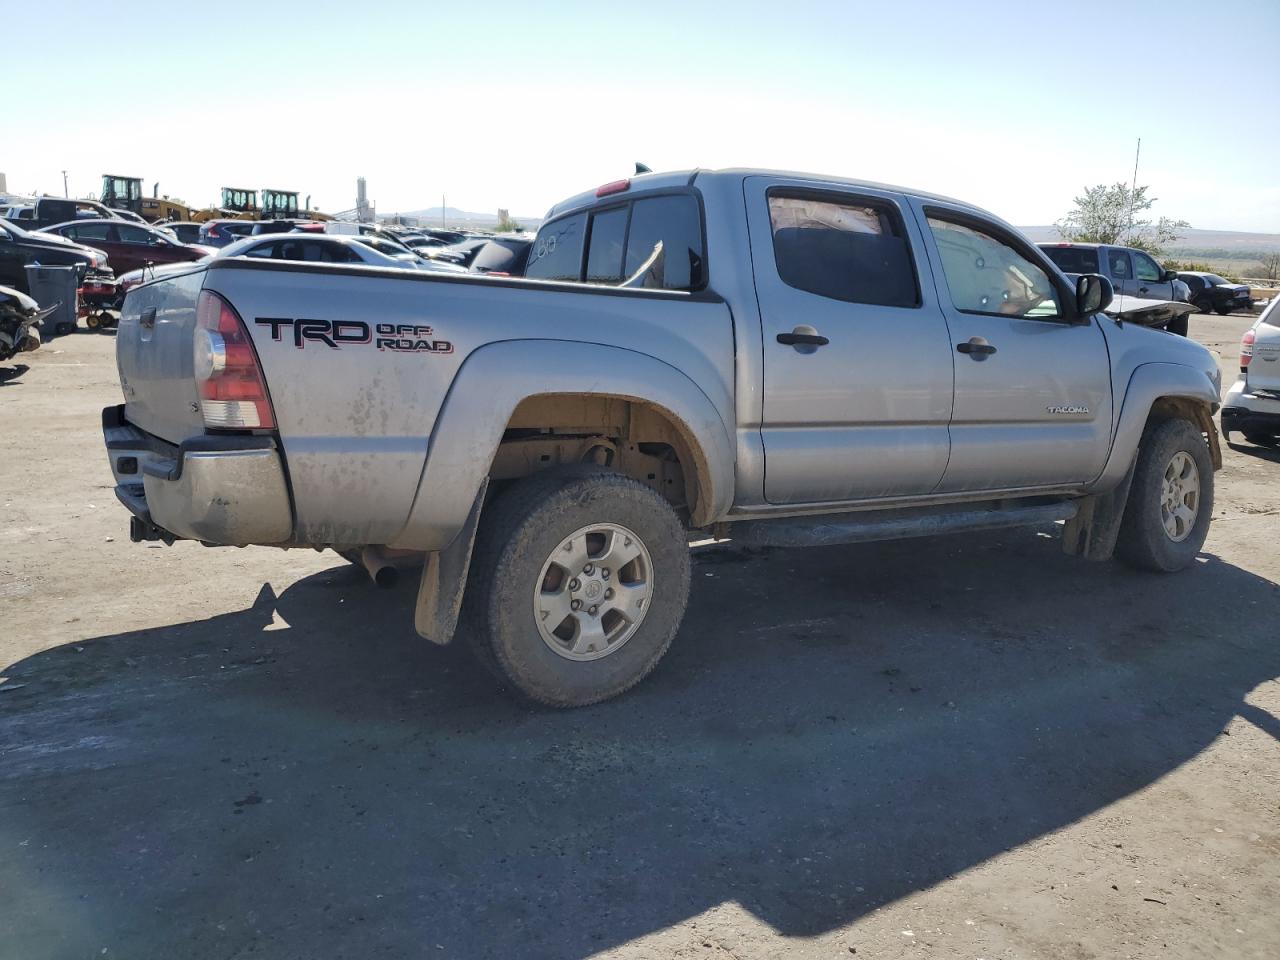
1149, 277
1032, 387
857, 360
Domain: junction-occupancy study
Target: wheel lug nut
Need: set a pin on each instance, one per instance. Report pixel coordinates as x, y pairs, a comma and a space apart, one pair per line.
575, 605
574, 584
593, 610
604, 573
589, 569
608, 594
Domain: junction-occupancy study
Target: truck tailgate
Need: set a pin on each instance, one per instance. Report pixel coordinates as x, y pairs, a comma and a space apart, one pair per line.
1264, 371
153, 354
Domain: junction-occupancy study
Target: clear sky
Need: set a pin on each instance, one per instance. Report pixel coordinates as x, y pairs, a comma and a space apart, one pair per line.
1014, 106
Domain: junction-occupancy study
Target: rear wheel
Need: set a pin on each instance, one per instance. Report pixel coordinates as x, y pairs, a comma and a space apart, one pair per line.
1170, 502
1178, 325
1203, 305
578, 583
1223, 311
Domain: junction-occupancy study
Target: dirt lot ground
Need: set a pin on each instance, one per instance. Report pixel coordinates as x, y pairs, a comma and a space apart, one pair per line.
969, 747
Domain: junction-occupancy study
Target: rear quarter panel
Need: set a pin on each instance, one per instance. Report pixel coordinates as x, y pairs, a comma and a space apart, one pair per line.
355, 419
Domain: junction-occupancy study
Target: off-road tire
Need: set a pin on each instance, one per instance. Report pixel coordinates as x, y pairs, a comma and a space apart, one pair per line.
518, 532
1143, 542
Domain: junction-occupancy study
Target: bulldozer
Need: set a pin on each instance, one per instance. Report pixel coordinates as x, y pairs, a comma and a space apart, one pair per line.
283, 205
125, 193
238, 203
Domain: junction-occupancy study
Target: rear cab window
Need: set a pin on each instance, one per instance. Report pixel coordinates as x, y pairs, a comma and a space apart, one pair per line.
654, 241
1073, 259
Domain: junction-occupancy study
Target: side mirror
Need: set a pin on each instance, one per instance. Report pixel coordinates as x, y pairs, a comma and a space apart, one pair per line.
1093, 293
1170, 275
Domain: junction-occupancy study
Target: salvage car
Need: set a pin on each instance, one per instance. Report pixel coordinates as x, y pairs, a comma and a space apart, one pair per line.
1212, 293
18, 248
19, 319
502, 255
129, 245
1252, 405
779, 358
1132, 272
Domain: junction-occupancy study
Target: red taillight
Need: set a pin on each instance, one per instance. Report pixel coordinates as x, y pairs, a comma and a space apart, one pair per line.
618, 186
233, 392
1246, 348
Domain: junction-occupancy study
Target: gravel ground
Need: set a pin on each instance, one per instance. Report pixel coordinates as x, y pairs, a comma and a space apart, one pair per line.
966, 747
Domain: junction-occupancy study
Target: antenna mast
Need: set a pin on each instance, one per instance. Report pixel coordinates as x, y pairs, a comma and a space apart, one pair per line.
1133, 190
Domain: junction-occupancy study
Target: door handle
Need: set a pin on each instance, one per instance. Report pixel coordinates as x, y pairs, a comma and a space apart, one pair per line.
798, 337
976, 347
1142, 289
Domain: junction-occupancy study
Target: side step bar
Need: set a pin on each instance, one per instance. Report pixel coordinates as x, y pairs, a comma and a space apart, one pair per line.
895, 524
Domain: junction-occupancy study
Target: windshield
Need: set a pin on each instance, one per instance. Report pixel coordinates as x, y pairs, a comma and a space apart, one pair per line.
233, 199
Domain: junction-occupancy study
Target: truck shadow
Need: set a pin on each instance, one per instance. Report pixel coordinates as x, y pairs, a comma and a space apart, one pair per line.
833, 729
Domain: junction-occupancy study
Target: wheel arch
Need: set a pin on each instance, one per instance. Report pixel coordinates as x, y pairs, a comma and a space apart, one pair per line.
496, 380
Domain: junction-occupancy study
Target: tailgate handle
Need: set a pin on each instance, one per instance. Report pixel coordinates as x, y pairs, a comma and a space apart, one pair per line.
148, 319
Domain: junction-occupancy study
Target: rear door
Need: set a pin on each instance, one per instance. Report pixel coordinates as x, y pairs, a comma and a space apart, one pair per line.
1032, 389
1120, 270
857, 359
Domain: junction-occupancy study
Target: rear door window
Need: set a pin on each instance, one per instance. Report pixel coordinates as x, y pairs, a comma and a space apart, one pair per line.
557, 253
1118, 261
608, 238
90, 231
854, 251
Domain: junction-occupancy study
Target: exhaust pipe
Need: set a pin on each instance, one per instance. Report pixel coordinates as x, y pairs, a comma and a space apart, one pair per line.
381, 570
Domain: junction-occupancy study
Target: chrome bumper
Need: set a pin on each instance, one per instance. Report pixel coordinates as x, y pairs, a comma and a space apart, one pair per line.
216, 489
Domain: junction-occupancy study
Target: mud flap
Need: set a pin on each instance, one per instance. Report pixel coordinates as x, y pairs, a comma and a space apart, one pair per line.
444, 579
1092, 533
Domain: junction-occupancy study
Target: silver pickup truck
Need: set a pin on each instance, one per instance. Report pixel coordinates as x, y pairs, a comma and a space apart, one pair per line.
775, 358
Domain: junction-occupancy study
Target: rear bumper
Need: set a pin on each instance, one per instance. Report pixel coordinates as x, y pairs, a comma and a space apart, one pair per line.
1250, 412
216, 489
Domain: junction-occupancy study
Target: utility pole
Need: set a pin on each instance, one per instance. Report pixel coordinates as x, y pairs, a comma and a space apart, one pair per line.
64, 185
1128, 231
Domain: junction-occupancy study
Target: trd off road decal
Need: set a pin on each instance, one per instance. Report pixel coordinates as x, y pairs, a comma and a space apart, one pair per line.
401, 337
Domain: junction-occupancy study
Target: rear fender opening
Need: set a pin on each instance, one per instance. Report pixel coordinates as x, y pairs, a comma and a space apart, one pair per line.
636, 438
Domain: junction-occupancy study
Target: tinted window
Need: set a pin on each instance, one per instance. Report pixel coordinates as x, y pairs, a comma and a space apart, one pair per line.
506, 256
664, 244
266, 250
138, 235
1118, 260
1215, 279
557, 253
312, 251
846, 251
604, 255
89, 231
1073, 259
986, 275
1146, 268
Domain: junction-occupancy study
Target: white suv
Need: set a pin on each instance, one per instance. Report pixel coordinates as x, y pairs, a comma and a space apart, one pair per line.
1252, 405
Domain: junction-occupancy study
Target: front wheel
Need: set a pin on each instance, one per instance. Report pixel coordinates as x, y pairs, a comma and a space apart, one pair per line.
1166, 517
1223, 311
578, 584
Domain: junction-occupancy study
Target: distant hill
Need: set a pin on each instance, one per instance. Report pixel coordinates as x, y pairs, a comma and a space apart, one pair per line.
461, 218
1232, 244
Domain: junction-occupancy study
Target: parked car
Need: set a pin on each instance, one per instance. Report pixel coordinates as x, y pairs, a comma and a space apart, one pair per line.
185, 230
504, 255
1210, 292
1132, 272
18, 248
219, 233
128, 245
310, 248
828, 361
461, 253
1252, 405
19, 319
